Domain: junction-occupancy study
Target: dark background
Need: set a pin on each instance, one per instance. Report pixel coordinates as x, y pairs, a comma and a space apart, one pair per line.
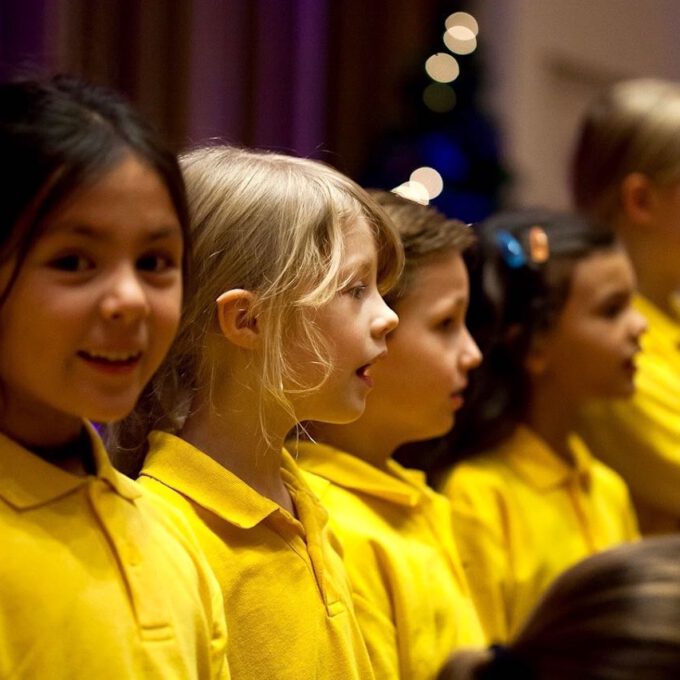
338, 80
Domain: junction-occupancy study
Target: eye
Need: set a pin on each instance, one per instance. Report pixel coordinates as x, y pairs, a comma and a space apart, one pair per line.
613, 308
612, 311
157, 263
72, 262
357, 292
451, 322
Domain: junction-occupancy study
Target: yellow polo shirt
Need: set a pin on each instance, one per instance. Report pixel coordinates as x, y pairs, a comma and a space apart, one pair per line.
100, 579
284, 585
640, 437
521, 516
410, 591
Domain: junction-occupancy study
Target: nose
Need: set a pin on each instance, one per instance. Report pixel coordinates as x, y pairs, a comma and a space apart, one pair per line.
470, 356
638, 324
125, 296
385, 319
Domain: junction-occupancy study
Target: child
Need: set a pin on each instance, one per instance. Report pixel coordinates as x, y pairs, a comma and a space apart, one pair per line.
559, 331
613, 615
98, 579
410, 592
626, 174
284, 322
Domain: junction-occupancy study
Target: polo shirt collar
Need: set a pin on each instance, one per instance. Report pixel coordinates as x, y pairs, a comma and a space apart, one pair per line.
174, 462
27, 481
533, 460
397, 485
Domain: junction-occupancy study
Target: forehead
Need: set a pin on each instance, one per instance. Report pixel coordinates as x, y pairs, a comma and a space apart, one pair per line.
357, 231
436, 282
358, 241
602, 272
128, 196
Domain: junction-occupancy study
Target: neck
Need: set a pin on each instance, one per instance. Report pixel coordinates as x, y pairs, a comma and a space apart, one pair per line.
552, 417
74, 456
656, 286
227, 428
658, 275
53, 436
359, 439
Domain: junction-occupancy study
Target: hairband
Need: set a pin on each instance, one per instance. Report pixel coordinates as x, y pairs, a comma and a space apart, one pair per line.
505, 665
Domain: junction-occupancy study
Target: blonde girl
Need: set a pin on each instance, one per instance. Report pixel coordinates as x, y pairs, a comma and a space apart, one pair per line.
284, 321
552, 301
626, 174
98, 577
411, 594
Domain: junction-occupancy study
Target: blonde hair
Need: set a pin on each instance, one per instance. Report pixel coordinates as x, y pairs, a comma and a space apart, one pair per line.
274, 225
632, 127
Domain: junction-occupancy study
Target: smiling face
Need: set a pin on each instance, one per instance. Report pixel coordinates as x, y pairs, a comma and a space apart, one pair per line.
590, 351
418, 387
93, 309
354, 324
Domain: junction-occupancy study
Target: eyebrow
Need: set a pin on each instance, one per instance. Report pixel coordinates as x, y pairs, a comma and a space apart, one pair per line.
95, 234
362, 263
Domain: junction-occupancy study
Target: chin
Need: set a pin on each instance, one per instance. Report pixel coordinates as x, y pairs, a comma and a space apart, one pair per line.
628, 392
109, 415
347, 415
431, 433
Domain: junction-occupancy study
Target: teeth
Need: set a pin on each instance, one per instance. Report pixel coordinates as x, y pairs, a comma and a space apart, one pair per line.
113, 356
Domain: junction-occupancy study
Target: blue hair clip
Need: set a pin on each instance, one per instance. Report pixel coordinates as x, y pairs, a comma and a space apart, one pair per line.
511, 250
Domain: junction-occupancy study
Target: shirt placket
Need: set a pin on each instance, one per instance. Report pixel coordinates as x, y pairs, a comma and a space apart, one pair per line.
578, 499
125, 533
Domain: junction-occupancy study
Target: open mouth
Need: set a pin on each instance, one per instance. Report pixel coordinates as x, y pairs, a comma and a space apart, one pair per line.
112, 359
629, 365
363, 373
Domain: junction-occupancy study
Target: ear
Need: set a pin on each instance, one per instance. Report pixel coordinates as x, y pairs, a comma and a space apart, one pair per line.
637, 193
236, 319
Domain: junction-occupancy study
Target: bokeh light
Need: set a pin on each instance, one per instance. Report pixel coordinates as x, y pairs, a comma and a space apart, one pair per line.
439, 97
460, 40
430, 179
442, 67
462, 19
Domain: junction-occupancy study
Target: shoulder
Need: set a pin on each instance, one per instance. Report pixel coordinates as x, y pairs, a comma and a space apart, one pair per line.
485, 470
608, 480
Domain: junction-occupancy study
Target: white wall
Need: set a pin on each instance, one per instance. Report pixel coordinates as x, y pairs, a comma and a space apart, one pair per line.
547, 58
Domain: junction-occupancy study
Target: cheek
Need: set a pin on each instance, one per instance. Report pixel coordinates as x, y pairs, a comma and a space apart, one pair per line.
166, 309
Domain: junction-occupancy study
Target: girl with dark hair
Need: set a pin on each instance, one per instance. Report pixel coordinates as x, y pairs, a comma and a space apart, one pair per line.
98, 578
552, 299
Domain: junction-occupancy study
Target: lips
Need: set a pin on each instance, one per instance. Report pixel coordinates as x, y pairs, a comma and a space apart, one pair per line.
111, 360
457, 396
363, 372
629, 365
